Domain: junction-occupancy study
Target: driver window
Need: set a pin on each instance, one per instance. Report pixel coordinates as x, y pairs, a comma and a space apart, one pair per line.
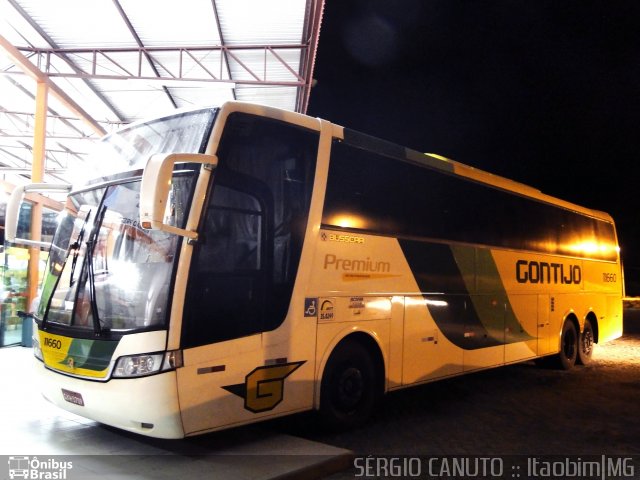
245, 261
232, 233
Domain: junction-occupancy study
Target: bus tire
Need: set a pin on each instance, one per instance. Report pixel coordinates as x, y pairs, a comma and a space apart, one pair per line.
349, 391
566, 358
586, 344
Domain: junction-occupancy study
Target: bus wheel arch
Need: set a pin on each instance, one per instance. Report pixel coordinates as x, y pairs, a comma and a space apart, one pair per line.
353, 381
587, 339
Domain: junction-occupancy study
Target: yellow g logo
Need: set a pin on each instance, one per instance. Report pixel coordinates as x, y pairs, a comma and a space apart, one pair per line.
263, 388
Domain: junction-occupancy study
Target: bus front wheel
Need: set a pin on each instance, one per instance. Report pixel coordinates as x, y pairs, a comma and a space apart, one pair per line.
566, 358
349, 390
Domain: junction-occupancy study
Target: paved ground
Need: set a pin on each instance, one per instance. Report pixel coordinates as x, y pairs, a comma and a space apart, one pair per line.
31, 427
516, 410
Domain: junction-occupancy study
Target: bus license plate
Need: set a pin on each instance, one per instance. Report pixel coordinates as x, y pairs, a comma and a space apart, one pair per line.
72, 397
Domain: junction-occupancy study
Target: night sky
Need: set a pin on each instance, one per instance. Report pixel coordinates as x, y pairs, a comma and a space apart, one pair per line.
546, 92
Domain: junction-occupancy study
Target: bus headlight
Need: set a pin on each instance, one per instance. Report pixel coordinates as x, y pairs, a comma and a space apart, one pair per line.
133, 366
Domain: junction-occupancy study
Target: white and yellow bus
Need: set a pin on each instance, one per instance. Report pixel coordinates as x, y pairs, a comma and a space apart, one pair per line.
251, 263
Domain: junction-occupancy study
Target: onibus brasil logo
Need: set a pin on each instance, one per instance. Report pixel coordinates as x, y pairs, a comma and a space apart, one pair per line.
33, 468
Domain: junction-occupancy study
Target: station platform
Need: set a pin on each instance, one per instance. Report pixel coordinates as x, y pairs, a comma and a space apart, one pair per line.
33, 430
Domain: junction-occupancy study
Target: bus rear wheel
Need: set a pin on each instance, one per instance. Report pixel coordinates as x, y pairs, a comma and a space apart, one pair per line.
568, 354
586, 344
349, 390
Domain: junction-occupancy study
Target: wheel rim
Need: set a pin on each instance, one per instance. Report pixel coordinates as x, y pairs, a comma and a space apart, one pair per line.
587, 342
350, 388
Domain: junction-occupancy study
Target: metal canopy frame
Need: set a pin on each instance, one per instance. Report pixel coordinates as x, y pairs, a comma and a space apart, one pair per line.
95, 63
141, 61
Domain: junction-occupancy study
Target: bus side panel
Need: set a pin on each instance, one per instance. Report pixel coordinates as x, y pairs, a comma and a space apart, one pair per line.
352, 271
602, 277
605, 279
613, 327
248, 379
551, 278
529, 273
396, 342
544, 325
342, 316
565, 286
204, 401
428, 354
525, 313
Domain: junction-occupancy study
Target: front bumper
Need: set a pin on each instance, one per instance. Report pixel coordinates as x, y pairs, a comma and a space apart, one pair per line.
146, 405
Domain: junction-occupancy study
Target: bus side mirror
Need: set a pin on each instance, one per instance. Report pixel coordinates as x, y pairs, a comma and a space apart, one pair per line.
12, 216
154, 191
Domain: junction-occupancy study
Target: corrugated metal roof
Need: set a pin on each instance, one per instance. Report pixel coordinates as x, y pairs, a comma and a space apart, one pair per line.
123, 60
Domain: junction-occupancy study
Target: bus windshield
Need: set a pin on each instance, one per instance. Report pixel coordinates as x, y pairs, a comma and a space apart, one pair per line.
105, 271
130, 148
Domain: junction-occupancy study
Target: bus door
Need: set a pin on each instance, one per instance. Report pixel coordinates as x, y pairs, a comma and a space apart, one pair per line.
226, 302
244, 356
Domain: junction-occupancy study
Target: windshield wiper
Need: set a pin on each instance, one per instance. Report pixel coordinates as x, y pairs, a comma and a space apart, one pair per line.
75, 246
91, 246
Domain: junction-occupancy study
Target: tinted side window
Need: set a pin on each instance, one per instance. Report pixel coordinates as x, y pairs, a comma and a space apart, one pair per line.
393, 197
245, 264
